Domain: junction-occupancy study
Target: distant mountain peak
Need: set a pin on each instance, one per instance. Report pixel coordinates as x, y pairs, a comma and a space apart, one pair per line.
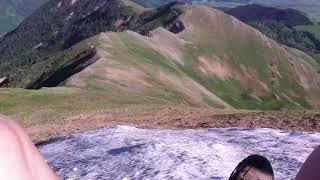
256, 12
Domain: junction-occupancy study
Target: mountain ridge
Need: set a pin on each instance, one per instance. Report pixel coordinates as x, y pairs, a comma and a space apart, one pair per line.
281, 25
13, 12
312, 8
58, 31
214, 61
225, 75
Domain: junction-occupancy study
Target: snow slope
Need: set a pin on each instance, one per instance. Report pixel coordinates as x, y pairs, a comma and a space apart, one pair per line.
126, 153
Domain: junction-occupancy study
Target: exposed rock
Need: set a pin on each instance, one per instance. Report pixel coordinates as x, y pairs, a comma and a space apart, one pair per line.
57, 77
4, 81
176, 27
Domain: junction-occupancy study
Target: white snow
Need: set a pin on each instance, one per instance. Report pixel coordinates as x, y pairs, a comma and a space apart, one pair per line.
39, 45
70, 16
73, 2
2, 79
59, 4
125, 152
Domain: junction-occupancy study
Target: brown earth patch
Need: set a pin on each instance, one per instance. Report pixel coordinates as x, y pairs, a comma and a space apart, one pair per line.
118, 23
304, 71
221, 69
211, 21
129, 77
214, 21
275, 73
250, 80
263, 38
106, 39
214, 66
308, 77
163, 41
169, 44
191, 89
176, 118
185, 18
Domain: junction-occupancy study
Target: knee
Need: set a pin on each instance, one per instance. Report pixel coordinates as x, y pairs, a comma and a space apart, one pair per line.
9, 126
18, 153
12, 154
9, 138
5, 120
10, 135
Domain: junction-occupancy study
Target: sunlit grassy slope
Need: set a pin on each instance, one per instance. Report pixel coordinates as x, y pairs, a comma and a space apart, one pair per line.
217, 61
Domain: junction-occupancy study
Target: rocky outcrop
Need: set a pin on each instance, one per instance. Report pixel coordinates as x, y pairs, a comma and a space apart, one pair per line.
4, 81
176, 27
59, 75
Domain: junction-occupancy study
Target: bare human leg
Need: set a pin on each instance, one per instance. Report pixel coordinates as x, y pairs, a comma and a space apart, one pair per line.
19, 158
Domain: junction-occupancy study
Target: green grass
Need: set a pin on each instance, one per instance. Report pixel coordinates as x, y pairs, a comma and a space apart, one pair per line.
56, 61
41, 106
127, 51
242, 48
134, 54
150, 56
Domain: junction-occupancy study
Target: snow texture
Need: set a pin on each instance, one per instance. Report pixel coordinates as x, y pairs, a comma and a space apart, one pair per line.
125, 153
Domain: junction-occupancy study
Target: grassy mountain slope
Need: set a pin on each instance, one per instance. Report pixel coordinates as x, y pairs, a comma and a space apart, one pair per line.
268, 70
217, 61
282, 25
311, 7
12, 12
58, 25
252, 13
